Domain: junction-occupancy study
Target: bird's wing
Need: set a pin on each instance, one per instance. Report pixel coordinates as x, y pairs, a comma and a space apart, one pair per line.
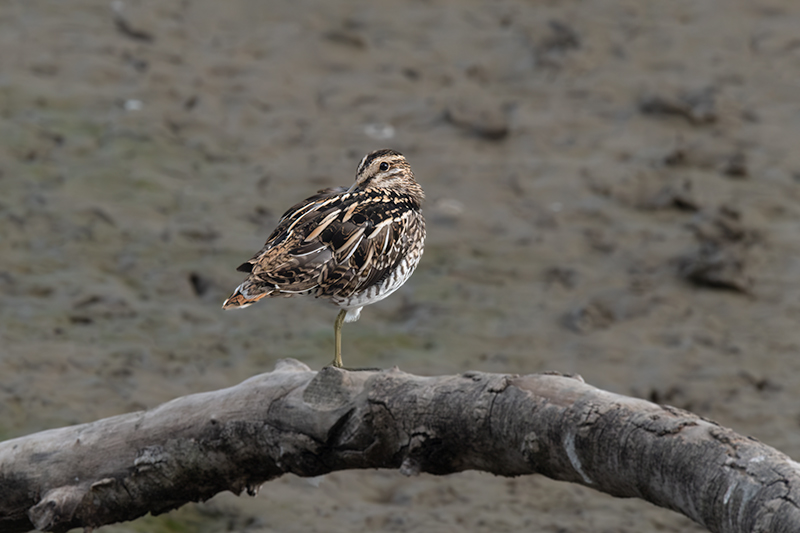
287, 262
335, 244
368, 242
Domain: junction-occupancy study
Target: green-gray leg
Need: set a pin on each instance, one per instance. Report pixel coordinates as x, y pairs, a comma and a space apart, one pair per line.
337, 333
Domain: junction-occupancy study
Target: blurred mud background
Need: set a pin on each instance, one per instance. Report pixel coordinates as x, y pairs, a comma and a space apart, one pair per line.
613, 190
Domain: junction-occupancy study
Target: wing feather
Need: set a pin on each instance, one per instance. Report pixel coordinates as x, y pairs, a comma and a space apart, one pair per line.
333, 244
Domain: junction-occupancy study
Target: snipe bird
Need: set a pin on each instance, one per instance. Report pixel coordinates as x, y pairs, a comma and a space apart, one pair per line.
353, 246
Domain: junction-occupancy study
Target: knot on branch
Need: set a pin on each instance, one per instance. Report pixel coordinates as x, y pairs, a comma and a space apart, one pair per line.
57, 506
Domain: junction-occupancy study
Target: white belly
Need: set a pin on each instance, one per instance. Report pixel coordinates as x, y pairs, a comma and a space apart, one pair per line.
379, 291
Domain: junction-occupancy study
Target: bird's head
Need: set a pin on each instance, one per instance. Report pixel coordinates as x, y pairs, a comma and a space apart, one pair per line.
387, 169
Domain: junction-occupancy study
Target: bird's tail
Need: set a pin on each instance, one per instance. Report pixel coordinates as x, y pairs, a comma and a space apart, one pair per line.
239, 298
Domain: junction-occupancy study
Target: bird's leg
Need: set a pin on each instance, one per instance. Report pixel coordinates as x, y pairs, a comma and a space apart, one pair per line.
337, 334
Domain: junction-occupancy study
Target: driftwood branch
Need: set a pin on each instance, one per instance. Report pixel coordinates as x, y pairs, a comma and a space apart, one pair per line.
310, 423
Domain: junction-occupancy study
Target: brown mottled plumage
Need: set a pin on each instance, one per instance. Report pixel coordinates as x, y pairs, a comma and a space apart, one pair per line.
353, 246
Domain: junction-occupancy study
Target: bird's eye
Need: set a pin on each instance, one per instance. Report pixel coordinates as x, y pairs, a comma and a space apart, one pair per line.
384, 166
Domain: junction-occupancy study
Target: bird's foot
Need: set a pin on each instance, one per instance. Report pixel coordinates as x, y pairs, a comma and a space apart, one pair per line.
342, 367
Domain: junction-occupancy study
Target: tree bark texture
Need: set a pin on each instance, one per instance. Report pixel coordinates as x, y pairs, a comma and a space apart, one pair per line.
311, 423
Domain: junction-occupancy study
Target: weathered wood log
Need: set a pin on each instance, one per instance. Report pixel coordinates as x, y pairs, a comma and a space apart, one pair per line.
311, 423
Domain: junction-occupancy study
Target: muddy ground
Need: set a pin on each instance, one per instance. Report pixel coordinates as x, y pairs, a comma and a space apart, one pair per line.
613, 189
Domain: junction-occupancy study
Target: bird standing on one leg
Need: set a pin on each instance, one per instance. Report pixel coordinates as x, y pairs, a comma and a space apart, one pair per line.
353, 246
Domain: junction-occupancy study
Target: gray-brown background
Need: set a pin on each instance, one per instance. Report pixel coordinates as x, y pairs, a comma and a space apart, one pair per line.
590, 167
